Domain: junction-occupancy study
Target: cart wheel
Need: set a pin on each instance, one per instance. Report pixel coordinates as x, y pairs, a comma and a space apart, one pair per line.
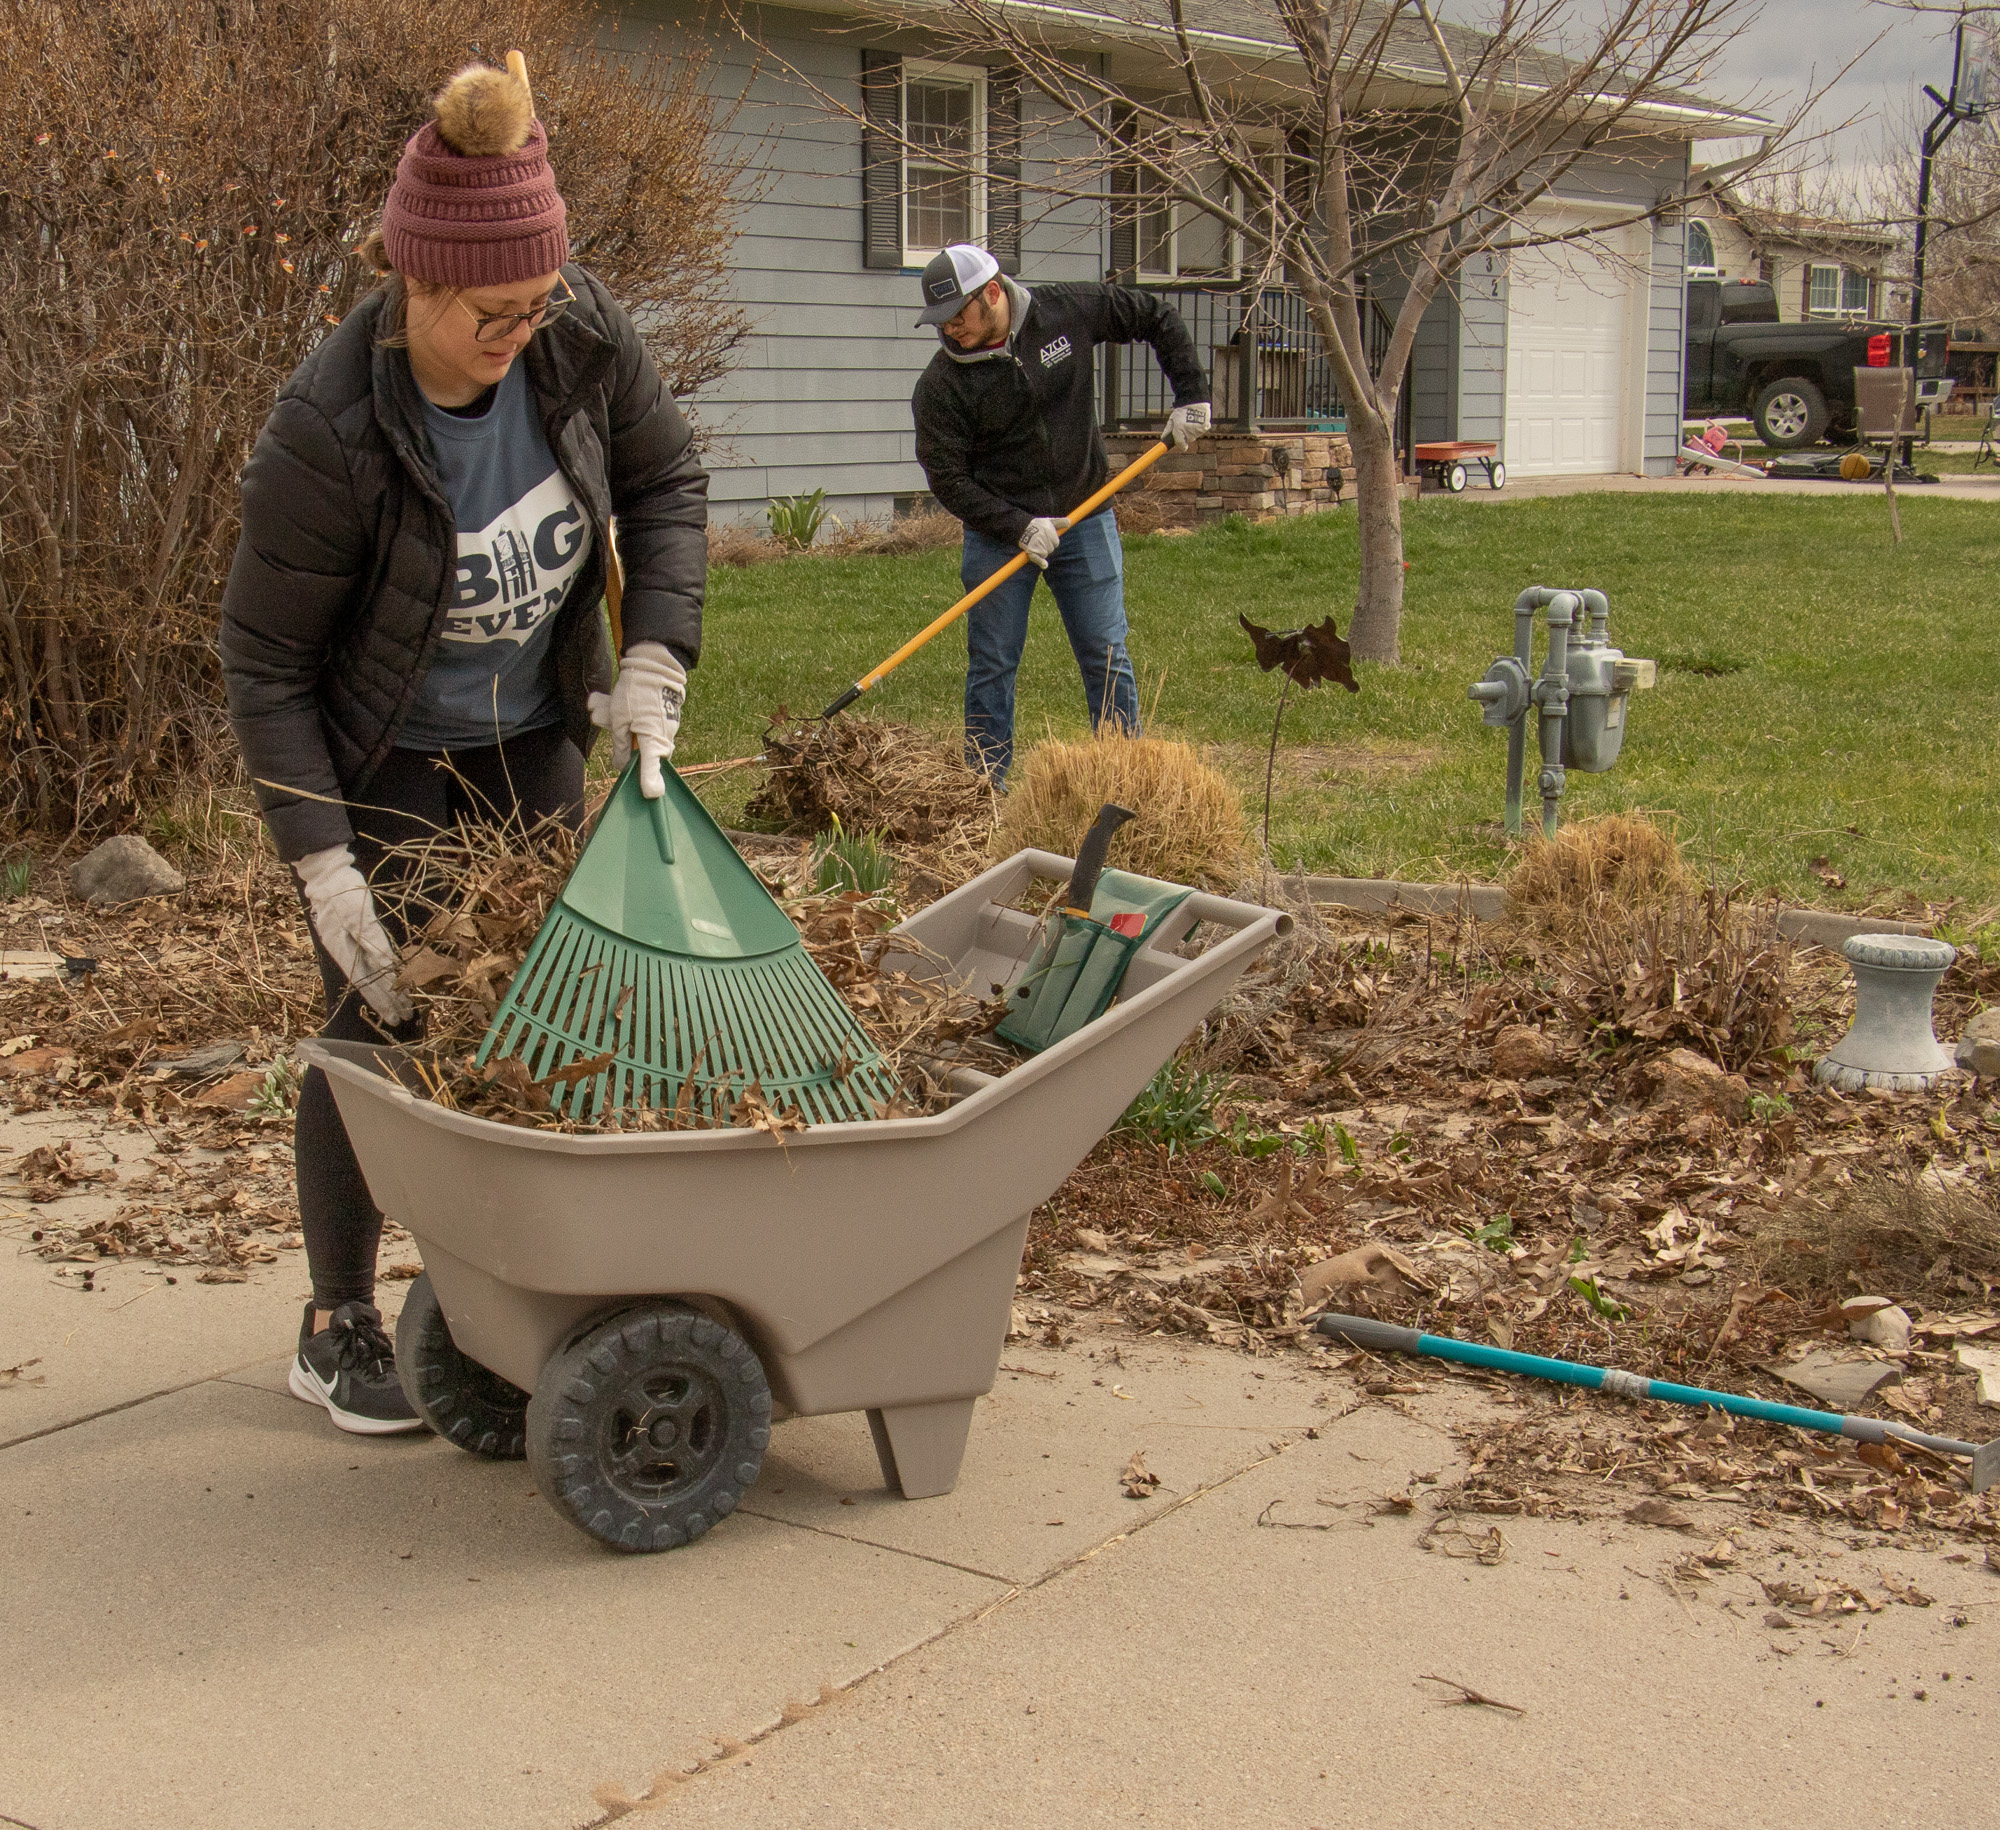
1454, 478
646, 1430
464, 1402
1496, 474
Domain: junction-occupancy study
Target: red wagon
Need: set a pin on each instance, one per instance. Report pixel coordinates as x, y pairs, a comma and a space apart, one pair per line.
1444, 462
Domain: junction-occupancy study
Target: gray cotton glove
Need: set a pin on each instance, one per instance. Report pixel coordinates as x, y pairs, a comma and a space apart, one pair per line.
1186, 424
1039, 541
643, 711
343, 916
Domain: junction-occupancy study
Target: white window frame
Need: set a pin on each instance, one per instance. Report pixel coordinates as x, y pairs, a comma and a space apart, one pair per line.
1849, 277
917, 69
1814, 309
1710, 268
1273, 149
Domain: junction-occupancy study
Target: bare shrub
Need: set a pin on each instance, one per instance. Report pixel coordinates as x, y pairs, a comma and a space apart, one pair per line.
1698, 971
180, 187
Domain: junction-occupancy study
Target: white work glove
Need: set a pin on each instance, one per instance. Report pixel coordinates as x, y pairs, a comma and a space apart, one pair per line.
643, 709
1039, 541
1186, 424
344, 918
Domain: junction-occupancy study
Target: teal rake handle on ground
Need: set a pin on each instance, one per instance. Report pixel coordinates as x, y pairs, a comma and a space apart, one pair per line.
1387, 1337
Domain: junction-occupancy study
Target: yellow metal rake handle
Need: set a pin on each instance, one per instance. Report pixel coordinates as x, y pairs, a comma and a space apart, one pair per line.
1089, 506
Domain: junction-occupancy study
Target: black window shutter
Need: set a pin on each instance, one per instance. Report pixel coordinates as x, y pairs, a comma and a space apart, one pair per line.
1003, 168
881, 160
1124, 203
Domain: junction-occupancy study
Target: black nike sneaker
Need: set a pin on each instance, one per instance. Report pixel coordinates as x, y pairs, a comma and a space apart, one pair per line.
350, 1367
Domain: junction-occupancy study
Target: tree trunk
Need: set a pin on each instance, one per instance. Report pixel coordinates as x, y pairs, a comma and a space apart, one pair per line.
1376, 635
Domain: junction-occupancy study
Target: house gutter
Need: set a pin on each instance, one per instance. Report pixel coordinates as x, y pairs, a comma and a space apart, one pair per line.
1107, 26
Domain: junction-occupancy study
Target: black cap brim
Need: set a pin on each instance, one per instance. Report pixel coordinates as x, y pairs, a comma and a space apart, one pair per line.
943, 313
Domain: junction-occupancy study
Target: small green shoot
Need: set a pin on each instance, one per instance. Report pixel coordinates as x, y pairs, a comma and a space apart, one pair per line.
280, 1091
852, 861
1577, 1253
1350, 1151
1607, 1306
19, 874
1768, 1108
1497, 1235
1176, 1109
1214, 1183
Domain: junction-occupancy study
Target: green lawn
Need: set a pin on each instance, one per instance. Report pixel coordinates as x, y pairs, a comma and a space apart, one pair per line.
1822, 693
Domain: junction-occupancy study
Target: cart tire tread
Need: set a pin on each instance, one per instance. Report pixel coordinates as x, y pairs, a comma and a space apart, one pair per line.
646, 1430
464, 1402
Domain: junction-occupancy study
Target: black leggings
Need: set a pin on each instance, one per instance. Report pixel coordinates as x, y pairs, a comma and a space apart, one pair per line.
414, 795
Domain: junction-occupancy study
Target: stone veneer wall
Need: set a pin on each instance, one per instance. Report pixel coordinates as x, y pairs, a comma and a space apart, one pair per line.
1263, 476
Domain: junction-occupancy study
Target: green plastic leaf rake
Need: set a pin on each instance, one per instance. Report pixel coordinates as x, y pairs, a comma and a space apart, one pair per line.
666, 976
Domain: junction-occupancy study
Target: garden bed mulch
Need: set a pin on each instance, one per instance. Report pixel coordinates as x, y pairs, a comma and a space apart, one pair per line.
1558, 1139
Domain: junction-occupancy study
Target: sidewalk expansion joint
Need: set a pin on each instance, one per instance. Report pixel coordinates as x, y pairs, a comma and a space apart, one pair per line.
615, 1803
224, 1377
900, 1550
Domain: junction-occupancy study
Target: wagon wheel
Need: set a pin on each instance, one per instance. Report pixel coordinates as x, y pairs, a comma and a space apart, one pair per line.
1454, 479
1496, 474
463, 1401
647, 1429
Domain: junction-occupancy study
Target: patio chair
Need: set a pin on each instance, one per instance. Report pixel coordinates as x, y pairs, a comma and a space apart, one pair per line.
1885, 414
1986, 453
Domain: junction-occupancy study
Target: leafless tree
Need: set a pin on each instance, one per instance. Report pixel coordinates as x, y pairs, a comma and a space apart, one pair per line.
1365, 157
181, 185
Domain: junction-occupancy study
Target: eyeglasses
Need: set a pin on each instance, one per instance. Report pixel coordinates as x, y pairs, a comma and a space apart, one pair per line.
505, 324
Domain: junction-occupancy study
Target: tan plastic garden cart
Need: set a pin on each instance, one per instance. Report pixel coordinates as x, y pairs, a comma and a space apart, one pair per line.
626, 1309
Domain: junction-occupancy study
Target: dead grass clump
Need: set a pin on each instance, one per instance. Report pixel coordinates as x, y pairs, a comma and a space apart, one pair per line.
743, 543
1190, 826
926, 531
738, 543
870, 775
1612, 863
1910, 1234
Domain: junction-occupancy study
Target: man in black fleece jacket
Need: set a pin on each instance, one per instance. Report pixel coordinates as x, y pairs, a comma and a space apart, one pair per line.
1007, 434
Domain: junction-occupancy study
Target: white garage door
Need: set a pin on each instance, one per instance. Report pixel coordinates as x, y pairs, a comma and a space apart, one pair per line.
1565, 361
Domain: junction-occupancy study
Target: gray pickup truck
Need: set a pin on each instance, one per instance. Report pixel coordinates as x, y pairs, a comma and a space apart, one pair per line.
1795, 382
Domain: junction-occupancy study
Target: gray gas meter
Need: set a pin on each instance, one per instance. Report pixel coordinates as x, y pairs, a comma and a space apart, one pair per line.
1580, 697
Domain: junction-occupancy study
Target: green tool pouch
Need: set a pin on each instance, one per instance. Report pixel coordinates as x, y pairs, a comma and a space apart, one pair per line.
1073, 977
1080, 964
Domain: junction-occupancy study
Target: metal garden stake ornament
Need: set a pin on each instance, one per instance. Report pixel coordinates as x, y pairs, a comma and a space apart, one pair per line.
1306, 657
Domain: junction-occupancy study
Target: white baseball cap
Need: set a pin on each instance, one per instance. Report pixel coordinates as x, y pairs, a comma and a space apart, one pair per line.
952, 277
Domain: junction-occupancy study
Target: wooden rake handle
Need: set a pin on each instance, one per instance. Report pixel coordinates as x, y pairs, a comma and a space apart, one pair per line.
1089, 506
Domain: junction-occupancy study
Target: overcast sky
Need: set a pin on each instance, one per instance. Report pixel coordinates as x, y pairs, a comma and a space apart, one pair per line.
1794, 45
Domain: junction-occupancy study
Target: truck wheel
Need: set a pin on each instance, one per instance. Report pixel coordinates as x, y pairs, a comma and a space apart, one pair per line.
646, 1430
1790, 413
459, 1398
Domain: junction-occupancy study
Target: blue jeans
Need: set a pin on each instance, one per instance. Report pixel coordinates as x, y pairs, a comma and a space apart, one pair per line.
1087, 574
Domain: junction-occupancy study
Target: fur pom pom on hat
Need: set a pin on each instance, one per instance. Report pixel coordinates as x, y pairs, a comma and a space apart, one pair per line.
474, 202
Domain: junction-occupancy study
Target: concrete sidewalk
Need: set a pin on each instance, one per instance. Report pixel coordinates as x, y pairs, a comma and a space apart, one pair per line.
218, 1611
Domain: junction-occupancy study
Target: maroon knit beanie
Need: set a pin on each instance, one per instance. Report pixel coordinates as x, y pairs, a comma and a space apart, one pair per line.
474, 202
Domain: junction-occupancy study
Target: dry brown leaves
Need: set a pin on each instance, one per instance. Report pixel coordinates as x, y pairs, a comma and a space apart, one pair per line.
910, 787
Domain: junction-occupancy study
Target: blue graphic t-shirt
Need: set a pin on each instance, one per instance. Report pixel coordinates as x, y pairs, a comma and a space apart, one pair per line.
522, 541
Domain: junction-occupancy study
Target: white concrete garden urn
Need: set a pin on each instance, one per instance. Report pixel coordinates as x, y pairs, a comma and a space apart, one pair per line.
1890, 1043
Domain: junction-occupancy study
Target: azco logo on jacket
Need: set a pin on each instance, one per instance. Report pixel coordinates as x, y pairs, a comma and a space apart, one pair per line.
1055, 352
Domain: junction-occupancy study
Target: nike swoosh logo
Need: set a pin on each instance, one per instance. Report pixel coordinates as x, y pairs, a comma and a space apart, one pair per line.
325, 1385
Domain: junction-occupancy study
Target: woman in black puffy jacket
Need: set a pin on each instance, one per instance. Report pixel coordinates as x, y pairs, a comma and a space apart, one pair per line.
411, 630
